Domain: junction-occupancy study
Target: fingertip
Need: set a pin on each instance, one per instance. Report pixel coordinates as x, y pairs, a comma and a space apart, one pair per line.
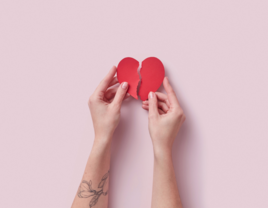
151, 95
152, 107
145, 107
113, 70
165, 82
167, 85
145, 102
121, 93
124, 85
165, 79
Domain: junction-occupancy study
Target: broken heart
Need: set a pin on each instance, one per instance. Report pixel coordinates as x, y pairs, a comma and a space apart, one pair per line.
152, 74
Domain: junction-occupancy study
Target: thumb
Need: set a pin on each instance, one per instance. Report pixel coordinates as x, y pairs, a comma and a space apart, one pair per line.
120, 94
153, 107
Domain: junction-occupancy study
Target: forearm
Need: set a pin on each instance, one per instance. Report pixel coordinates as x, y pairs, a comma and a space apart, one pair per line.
94, 185
165, 190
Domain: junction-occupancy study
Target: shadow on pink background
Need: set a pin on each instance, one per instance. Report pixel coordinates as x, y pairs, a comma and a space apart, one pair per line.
53, 54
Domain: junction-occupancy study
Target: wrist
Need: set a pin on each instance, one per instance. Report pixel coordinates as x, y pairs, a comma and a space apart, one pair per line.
101, 143
162, 152
100, 149
103, 137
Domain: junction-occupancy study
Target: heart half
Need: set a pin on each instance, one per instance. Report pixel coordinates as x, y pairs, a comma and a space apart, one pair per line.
152, 74
127, 71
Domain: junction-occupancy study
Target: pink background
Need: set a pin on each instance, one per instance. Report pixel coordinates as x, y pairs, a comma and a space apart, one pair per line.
54, 53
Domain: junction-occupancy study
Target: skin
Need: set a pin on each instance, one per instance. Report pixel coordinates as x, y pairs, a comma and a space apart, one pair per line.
165, 119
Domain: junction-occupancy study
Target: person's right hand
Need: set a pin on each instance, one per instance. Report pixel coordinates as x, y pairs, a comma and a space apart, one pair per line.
165, 117
105, 104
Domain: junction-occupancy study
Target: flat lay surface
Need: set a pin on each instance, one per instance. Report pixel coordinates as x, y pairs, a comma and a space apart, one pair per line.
53, 54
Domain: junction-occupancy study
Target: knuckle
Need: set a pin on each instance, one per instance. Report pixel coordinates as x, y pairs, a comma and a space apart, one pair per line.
91, 100
152, 116
160, 104
116, 106
104, 81
179, 113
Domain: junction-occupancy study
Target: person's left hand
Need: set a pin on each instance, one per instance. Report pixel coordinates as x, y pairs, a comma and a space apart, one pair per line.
105, 104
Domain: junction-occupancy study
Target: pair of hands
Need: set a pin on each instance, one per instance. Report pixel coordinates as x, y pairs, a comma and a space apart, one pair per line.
165, 113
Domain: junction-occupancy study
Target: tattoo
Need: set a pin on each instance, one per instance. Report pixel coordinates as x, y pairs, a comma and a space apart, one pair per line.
85, 190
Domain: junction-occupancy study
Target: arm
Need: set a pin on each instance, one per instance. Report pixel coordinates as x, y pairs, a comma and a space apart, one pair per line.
165, 120
104, 104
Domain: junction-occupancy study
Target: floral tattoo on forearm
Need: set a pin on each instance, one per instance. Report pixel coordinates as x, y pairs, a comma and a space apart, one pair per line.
85, 190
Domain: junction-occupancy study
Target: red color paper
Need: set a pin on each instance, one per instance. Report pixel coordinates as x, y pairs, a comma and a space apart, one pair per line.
152, 75
127, 71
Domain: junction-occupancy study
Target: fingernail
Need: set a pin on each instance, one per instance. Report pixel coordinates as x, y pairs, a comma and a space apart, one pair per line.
124, 85
151, 95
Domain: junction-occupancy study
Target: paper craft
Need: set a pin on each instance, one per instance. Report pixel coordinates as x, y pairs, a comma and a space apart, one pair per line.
127, 71
152, 74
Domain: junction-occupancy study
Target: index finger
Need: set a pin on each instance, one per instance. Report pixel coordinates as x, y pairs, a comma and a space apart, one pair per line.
170, 93
104, 84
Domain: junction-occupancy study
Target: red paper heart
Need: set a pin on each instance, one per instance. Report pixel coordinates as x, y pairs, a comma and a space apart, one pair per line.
152, 75
127, 71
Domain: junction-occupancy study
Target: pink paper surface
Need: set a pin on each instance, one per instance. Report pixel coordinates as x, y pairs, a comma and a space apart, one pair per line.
54, 53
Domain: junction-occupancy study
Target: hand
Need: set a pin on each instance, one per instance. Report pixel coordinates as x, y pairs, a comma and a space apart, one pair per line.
105, 104
165, 117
